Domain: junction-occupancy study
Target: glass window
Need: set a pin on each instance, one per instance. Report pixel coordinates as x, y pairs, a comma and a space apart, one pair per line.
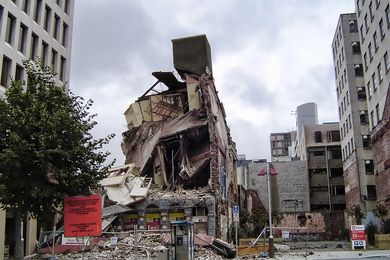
6, 71
374, 81
370, 9
10, 30
378, 116
34, 46
380, 72
37, 11
22, 38
376, 43
387, 61
381, 29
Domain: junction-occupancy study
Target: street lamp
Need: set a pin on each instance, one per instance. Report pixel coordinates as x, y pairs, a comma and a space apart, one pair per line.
271, 238
269, 171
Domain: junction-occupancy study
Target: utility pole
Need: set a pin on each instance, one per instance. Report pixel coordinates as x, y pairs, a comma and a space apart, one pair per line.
271, 238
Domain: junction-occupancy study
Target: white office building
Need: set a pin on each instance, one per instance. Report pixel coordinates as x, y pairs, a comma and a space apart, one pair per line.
35, 28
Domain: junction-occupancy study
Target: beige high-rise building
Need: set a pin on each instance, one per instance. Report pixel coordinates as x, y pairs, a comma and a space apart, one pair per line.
30, 29
362, 79
373, 18
353, 115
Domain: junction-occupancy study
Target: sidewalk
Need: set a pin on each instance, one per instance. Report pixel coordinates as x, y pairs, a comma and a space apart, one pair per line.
357, 254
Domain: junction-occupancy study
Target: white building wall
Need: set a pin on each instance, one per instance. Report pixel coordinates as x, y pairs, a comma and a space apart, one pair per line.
57, 37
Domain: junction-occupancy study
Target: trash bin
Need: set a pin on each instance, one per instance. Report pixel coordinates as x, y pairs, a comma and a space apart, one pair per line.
162, 252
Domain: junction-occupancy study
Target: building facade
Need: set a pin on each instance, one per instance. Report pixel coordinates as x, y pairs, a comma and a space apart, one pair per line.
35, 29
322, 151
374, 24
31, 29
280, 146
354, 114
289, 185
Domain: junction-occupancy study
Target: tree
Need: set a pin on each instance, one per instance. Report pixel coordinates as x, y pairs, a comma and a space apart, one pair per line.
47, 152
381, 211
357, 213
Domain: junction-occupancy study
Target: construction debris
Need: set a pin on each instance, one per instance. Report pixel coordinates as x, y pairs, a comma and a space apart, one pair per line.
123, 186
148, 247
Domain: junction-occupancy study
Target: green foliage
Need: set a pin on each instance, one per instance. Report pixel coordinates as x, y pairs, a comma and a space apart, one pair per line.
386, 226
381, 210
357, 213
371, 230
47, 152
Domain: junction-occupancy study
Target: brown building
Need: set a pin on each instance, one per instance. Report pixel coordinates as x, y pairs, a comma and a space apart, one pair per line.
179, 138
381, 154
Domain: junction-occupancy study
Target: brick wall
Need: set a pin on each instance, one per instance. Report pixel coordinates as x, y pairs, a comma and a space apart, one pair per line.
290, 185
381, 152
351, 182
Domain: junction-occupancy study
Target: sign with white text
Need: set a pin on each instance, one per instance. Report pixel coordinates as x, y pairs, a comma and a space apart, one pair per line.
358, 237
236, 213
82, 216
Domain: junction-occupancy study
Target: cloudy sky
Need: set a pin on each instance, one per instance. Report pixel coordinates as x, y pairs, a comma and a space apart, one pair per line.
269, 56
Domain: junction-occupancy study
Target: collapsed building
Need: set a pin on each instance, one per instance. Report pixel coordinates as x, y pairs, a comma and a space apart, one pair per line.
179, 148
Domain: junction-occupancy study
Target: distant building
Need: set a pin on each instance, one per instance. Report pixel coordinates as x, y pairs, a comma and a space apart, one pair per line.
31, 29
289, 188
306, 114
353, 114
280, 143
320, 147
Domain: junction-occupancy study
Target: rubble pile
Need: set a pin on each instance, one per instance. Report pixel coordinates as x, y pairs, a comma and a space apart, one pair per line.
203, 253
148, 247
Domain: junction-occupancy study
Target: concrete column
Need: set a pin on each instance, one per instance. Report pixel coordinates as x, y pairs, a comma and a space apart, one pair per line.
3, 215
164, 222
31, 235
141, 220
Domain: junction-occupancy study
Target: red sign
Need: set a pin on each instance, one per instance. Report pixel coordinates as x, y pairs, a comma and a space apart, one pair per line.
357, 232
82, 216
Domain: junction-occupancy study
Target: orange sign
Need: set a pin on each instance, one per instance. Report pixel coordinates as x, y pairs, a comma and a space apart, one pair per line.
82, 216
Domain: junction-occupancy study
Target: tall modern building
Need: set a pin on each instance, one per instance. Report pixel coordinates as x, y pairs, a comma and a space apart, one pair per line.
306, 114
353, 115
35, 28
32, 29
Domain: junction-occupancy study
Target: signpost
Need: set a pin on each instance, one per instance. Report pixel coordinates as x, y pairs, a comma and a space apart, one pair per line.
358, 238
285, 234
82, 217
236, 219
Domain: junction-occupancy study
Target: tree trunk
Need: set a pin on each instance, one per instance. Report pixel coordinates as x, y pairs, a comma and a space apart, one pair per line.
19, 241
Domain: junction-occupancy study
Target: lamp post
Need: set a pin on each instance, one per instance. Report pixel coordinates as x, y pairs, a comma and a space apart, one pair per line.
271, 238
